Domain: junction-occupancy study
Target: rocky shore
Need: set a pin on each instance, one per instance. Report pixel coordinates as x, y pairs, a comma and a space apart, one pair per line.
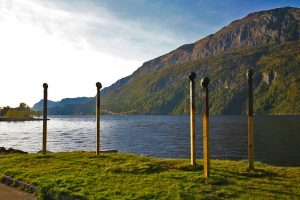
11, 150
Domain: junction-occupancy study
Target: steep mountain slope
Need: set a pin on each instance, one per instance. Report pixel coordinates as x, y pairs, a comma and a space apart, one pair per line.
166, 91
266, 41
257, 29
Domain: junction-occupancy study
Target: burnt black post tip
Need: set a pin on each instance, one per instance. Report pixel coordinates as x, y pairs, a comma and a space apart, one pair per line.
45, 85
192, 76
98, 85
249, 73
204, 82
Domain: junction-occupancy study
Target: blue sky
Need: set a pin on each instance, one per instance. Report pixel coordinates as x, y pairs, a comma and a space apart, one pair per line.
71, 44
176, 21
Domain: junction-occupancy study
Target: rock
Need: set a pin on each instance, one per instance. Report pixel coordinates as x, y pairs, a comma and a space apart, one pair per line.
11, 150
109, 151
226, 84
268, 77
2, 149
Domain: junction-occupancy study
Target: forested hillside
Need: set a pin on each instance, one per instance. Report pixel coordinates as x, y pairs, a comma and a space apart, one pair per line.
166, 91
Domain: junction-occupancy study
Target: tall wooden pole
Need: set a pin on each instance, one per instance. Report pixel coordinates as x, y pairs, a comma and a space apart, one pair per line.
99, 86
45, 85
205, 121
249, 74
192, 77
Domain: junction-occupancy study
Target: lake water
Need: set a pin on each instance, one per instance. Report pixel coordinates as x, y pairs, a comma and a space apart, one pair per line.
277, 138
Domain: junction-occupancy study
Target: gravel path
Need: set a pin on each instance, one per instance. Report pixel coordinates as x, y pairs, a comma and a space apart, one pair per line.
9, 193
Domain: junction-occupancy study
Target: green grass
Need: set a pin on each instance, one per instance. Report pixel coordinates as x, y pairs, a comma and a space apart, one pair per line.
123, 176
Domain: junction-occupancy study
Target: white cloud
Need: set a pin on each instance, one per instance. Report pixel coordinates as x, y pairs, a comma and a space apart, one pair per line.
71, 49
40, 44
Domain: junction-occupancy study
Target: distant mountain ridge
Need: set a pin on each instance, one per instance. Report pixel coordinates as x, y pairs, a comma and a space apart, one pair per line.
65, 106
39, 105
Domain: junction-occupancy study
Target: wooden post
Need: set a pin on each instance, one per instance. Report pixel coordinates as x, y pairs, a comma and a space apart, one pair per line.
45, 85
192, 77
205, 121
249, 74
99, 86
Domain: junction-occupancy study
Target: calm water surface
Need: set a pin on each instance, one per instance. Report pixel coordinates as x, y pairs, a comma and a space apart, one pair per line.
277, 138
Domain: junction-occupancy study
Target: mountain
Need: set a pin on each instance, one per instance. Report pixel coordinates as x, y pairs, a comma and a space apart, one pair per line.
257, 29
39, 105
166, 91
266, 41
67, 106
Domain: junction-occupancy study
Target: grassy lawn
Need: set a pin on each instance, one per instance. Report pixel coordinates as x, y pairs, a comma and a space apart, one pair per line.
124, 176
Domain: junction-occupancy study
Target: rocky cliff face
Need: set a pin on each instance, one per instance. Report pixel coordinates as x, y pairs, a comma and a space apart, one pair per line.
258, 29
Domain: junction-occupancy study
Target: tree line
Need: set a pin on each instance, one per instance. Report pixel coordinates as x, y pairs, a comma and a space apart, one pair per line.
22, 111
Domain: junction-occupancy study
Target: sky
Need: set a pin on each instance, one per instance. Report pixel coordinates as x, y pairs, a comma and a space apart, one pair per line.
72, 44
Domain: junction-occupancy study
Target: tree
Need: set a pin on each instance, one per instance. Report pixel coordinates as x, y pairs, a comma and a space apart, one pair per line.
23, 111
4, 110
23, 106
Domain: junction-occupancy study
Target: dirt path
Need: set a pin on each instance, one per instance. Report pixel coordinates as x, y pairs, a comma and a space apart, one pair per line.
9, 193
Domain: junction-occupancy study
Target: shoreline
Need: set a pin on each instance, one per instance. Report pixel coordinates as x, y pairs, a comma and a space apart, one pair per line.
20, 119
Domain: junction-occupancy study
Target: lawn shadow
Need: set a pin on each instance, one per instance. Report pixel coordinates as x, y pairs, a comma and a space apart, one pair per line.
273, 191
155, 167
219, 181
135, 169
149, 169
222, 177
108, 158
191, 168
259, 173
44, 156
